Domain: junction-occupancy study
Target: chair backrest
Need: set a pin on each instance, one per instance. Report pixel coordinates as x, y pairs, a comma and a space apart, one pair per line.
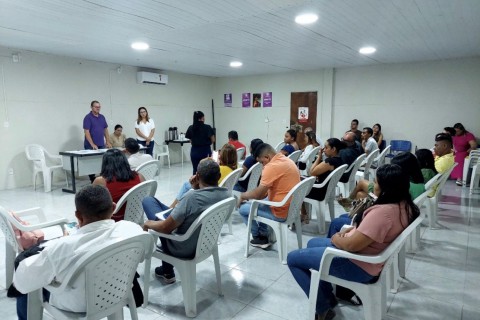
368, 163
279, 146
134, 198
254, 174
380, 160
294, 156
399, 146
443, 179
382, 145
433, 181
7, 229
109, 273
297, 195
474, 156
211, 222
161, 149
333, 179
353, 168
230, 180
311, 158
36, 153
240, 153
149, 169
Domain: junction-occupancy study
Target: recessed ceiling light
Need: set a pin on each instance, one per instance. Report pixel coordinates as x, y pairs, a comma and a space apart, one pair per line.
306, 18
236, 64
367, 50
140, 46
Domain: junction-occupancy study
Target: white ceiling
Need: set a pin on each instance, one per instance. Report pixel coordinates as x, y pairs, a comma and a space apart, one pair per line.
203, 36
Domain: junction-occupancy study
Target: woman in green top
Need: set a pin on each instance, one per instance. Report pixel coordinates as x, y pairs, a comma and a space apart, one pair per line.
427, 164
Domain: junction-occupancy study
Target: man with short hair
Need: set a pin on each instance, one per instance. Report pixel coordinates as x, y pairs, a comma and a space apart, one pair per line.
443, 152
233, 140
94, 208
354, 129
205, 194
368, 142
279, 176
135, 158
348, 154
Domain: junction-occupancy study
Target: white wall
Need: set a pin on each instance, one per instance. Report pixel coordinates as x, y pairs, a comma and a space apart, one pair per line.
251, 123
44, 99
411, 101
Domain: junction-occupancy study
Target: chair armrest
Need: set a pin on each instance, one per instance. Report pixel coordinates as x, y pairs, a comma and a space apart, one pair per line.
35, 212
331, 253
171, 236
320, 185
269, 203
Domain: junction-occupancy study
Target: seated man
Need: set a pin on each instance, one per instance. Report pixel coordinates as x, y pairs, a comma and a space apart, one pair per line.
279, 176
354, 129
349, 154
94, 208
233, 140
135, 158
205, 194
247, 164
368, 143
443, 152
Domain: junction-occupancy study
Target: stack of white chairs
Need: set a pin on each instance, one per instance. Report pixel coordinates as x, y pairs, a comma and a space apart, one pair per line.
45, 163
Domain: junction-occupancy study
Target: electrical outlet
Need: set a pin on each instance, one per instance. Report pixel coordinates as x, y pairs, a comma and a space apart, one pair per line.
10, 171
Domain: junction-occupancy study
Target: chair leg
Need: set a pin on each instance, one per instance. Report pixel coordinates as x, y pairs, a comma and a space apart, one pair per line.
9, 263
331, 208
317, 207
131, 306
146, 280
47, 180
474, 178
35, 307
218, 274
401, 262
188, 273
282, 244
249, 230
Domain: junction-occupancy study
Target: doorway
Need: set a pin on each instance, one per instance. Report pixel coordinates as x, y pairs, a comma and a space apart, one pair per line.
303, 114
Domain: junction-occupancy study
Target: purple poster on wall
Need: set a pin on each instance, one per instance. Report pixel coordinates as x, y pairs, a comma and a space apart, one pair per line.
246, 100
267, 99
227, 99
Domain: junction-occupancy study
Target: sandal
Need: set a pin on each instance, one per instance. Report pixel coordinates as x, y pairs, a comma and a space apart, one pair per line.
304, 218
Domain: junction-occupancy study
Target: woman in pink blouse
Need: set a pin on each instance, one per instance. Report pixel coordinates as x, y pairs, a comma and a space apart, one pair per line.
463, 143
393, 211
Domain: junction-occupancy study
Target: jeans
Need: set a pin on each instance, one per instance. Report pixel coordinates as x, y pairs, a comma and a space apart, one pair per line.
258, 228
198, 153
149, 147
301, 261
151, 206
186, 186
22, 304
337, 224
238, 187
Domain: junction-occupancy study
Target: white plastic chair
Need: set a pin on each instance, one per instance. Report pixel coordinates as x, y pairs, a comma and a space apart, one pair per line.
380, 160
347, 187
210, 223
469, 163
149, 170
279, 146
311, 159
297, 195
133, 198
240, 153
161, 150
294, 156
108, 273
37, 220
373, 295
253, 175
45, 163
432, 202
475, 174
229, 182
365, 174
319, 206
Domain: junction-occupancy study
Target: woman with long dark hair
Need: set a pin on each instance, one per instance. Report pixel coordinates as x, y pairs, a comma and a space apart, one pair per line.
427, 163
201, 136
392, 212
145, 129
117, 177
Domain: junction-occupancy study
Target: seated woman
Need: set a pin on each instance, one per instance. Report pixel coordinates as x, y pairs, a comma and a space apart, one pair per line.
311, 141
321, 169
117, 177
227, 159
409, 164
393, 211
377, 134
247, 164
117, 138
427, 164
291, 145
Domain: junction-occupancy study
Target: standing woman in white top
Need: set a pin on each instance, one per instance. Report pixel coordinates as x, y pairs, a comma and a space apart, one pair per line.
145, 129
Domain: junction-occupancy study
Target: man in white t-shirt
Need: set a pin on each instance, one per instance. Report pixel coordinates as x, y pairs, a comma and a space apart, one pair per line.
368, 143
135, 158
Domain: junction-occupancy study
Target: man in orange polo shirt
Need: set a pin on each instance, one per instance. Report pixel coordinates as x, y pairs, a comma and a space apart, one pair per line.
279, 176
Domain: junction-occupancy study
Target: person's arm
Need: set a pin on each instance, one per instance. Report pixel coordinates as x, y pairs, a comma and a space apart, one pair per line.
244, 170
258, 193
141, 177
306, 152
473, 145
354, 243
33, 273
88, 136
150, 136
212, 139
140, 134
380, 139
321, 168
107, 137
166, 226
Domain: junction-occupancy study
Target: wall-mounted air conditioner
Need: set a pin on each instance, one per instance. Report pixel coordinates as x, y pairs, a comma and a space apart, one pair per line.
153, 78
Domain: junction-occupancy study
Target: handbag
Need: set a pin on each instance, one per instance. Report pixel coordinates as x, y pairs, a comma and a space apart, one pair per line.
358, 208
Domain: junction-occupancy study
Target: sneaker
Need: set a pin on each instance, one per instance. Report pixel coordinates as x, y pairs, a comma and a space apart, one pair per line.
459, 183
328, 315
260, 242
168, 278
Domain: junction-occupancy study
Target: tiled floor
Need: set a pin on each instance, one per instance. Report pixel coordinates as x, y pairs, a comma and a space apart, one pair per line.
443, 277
